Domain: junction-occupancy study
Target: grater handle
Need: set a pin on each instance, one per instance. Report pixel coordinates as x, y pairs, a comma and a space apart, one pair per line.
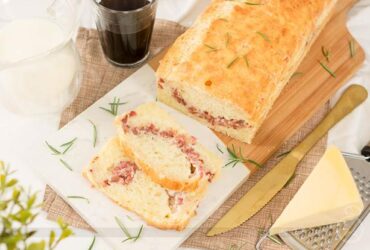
366, 150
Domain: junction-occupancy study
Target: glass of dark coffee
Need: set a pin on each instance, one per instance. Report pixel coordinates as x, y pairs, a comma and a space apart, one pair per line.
125, 29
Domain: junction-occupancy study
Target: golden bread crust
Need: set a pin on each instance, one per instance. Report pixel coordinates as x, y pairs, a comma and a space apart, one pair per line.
244, 54
163, 181
148, 220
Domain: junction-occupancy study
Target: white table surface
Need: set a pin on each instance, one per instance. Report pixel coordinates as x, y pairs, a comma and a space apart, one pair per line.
19, 134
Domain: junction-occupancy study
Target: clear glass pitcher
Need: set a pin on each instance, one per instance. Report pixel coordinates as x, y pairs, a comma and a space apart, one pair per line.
40, 69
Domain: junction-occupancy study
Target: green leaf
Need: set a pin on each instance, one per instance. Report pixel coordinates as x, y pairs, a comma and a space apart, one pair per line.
3, 205
2, 180
11, 239
51, 239
30, 234
11, 183
37, 246
16, 194
66, 232
31, 201
23, 216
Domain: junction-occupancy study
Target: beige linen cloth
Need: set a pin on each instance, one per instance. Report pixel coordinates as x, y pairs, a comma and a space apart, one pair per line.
99, 77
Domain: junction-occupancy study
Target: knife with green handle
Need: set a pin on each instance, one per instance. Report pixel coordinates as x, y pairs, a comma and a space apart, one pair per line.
259, 195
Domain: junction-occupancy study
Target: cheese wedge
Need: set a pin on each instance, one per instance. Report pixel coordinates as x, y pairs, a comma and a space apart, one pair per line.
328, 196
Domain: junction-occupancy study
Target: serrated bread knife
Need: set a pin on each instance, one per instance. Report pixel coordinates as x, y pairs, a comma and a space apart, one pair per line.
259, 195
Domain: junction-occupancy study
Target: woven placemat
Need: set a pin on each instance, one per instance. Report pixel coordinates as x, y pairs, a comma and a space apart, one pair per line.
99, 77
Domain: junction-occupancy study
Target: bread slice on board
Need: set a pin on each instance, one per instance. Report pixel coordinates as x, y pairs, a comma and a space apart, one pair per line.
114, 174
228, 69
164, 150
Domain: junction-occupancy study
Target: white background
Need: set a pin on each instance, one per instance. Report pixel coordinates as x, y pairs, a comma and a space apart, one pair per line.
19, 134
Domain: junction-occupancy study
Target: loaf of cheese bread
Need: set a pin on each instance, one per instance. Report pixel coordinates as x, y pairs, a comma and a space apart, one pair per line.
228, 69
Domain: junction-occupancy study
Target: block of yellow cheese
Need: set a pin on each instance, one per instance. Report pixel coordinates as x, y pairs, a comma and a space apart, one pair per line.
328, 196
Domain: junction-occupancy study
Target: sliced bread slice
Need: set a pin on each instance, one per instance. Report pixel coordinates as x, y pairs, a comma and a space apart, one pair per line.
164, 150
114, 174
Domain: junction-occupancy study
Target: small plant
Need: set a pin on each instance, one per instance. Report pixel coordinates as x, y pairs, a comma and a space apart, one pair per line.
18, 209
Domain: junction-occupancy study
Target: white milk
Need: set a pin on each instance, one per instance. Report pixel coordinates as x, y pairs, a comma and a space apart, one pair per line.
42, 82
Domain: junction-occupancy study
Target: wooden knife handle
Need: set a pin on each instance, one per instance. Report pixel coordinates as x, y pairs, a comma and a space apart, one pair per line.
352, 97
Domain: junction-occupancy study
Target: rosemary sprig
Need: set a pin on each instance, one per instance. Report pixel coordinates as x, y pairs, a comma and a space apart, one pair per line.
65, 164
92, 243
326, 53
78, 197
283, 154
227, 40
68, 145
324, 66
219, 149
212, 49
127, 233
223, 19
352, 48
54, 150
113, 110
297, 74
264, 36
273, 238
245, 58
235, 158
232, 62
247, 2
129, 217
95, 133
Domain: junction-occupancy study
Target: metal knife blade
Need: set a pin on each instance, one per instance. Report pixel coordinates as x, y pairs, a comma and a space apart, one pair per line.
275, 180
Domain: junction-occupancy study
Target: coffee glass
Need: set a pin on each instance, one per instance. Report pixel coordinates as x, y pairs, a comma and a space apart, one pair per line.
125, 29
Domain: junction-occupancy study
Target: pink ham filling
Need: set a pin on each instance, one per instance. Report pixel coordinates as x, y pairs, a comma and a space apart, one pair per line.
214, 121
123, 173
174, 200
183, 142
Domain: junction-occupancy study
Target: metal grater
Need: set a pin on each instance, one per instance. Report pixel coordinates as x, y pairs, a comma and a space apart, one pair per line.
335, 236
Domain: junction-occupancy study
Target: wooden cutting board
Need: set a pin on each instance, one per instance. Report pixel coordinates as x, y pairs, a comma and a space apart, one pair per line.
306, 92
